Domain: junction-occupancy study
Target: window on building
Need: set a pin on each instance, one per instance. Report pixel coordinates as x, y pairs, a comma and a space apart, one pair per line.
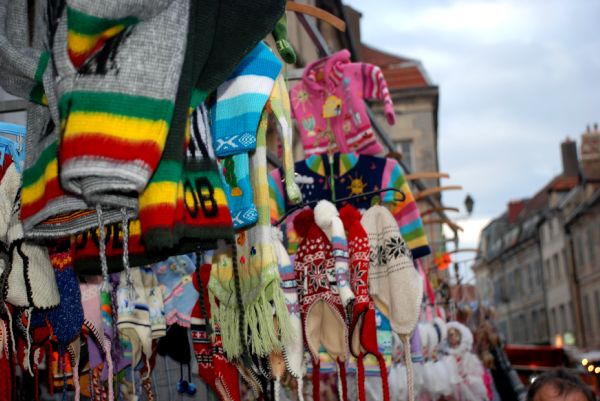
553, 323
530, 278
524, 332
587, 314
565, 262
548, 271
543, 323
562, 315
591, 245
572, 317
535, 324
405, 147
518, 283
597, 302
538, 273
557, 270
580, 255
514, 330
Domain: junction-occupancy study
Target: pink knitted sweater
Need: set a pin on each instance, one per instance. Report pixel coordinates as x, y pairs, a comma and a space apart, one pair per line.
329, 108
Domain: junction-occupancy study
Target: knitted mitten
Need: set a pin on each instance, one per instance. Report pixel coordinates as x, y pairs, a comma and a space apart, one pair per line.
179, 295
284, 47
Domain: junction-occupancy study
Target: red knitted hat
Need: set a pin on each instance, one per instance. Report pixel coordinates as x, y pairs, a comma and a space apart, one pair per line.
323, 317
363, 329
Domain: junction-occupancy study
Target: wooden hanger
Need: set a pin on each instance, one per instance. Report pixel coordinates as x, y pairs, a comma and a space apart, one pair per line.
434, 190
426, 175
439, 209
317, 12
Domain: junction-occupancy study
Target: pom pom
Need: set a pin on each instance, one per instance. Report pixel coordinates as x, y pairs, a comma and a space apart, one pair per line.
349, 215
325, 211
303, 221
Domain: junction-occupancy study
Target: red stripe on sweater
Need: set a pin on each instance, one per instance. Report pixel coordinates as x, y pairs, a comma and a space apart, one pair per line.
97, 144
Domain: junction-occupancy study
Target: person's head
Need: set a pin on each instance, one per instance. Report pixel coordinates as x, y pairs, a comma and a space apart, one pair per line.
454, 337
559, 384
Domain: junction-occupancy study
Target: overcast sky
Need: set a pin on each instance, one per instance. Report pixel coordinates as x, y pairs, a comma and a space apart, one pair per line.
515, 77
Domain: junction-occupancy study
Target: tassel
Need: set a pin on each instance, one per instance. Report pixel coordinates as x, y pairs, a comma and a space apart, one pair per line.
409, 368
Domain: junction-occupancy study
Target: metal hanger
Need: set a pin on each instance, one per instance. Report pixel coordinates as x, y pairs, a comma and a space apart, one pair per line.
346, 199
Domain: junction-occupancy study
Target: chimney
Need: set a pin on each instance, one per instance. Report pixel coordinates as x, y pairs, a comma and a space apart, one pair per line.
590, 154
514, 210
353, 26
570, 162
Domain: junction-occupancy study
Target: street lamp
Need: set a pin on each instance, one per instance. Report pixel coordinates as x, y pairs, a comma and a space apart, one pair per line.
469, 204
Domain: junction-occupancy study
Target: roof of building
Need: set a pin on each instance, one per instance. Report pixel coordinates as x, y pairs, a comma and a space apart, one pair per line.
399, 72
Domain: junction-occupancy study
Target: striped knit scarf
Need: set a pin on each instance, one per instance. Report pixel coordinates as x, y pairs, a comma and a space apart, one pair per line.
258, 274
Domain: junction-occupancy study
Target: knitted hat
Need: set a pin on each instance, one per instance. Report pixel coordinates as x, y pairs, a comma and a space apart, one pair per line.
118, 67
235, 115
284, 47
240, 100
156, 307
363, 328
219, 36
178, 293
30, 277
67, 318
322, 312
293, 353
394, 283
133, 315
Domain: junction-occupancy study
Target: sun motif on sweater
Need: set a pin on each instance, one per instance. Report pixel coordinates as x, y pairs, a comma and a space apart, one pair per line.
357, 185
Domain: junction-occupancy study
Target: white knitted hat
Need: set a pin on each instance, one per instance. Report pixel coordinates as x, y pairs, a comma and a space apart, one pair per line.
31, 281
394, 283
328, 219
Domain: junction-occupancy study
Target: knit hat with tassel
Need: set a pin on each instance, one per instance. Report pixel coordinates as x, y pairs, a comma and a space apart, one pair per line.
394, 282
363, 328
322, 311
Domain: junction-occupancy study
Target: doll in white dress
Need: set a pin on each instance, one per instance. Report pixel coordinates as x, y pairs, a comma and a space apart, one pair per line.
464, 367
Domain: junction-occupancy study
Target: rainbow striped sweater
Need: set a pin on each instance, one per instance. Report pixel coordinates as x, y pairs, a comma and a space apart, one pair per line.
354, 175
117, 82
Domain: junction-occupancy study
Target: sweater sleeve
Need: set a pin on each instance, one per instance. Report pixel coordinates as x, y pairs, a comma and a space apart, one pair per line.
375, 88
406, 212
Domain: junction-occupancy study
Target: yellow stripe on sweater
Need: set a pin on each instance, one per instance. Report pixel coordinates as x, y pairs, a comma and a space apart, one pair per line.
80, 43
157, 193
35, 191
130, 129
